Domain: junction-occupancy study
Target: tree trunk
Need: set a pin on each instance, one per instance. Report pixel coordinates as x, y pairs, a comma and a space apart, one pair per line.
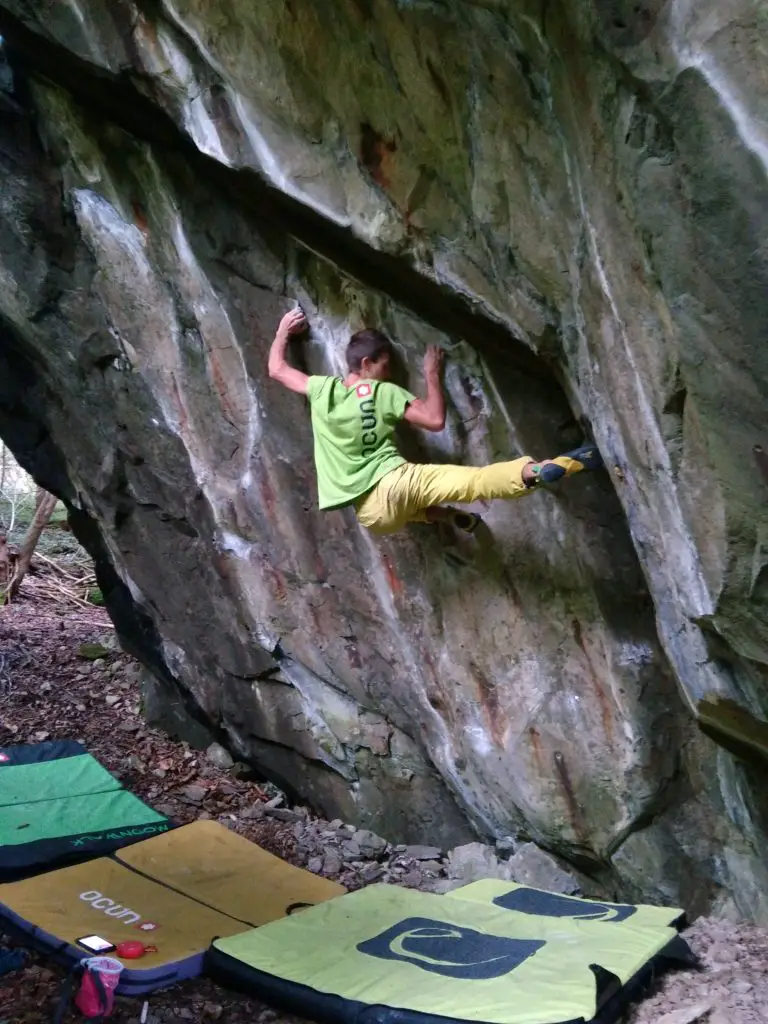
5, 562
42, 514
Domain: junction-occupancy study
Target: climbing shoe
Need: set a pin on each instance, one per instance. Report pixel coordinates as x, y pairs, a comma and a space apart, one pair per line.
466, 521
577, 461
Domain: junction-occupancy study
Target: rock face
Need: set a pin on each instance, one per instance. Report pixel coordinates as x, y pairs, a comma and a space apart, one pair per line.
571, 198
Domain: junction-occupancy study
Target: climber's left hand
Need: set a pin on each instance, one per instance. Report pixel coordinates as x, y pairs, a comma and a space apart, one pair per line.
294, 322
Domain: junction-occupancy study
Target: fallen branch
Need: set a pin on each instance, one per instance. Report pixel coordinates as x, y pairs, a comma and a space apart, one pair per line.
50, 588
59, 568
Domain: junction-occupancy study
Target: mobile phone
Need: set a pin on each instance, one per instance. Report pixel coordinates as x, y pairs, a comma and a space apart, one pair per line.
95, 944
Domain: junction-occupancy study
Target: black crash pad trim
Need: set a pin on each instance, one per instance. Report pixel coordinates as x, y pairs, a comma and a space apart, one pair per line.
28, 859
66, 955
40, 753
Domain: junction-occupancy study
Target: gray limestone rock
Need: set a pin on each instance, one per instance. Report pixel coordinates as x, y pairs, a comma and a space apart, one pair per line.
422, 852
538, 869
219, 756
474, 861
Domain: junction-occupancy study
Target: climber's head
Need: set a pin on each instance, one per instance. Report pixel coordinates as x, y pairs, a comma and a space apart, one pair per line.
368, 354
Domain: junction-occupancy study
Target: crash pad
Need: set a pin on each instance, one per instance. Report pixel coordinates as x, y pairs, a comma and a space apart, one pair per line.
177, 890
59, 805
108, 899
526, 900
223, 870
47, 771
397, 956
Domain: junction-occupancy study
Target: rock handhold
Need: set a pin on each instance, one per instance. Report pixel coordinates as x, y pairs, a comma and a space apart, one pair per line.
422, 852
443, 885
332, 862
474, 861
686, 1014
219, 756
532, 866
370, 844
194, 794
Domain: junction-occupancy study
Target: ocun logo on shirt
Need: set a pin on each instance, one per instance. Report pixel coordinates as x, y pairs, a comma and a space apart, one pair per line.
368, 438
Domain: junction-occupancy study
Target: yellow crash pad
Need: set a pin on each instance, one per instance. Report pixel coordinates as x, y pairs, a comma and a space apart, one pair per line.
221, 869
107, 899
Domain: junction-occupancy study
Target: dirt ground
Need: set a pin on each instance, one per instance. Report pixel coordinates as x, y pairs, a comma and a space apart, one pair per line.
49, 690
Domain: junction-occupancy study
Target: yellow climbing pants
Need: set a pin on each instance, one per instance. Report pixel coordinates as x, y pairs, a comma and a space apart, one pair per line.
403, 495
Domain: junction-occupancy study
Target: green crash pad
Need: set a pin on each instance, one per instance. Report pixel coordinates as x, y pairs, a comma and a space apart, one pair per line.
395, 956
59, 805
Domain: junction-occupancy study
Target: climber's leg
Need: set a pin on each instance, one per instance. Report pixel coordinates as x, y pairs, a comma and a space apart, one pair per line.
405, 494
585, 458
413, 493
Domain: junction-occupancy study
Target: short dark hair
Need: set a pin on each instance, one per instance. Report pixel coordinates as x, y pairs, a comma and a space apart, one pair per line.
366, 344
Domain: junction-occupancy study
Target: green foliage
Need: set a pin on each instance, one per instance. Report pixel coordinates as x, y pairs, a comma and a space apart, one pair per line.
93, 651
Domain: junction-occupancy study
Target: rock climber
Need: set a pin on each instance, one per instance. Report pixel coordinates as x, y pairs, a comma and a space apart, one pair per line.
357, 461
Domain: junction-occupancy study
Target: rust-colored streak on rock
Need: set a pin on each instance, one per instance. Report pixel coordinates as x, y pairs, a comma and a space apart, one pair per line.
375, 154
536, 747
276, 578
268, 496
140, 217
606, 708
394, 581
221, 565
493, 714
574, 807
220, 383
183, 420
148, 29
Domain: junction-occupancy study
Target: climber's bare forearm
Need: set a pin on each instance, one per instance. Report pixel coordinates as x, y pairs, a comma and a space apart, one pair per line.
428, 413
278, 367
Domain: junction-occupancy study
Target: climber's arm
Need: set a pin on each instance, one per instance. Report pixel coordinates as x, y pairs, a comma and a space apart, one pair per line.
278, 367
429, 413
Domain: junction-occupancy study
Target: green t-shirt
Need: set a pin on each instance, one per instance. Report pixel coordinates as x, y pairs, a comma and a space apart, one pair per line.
354, 436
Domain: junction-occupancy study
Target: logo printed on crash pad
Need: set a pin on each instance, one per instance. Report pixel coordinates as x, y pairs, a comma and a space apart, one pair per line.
109, 907
450, 949
548, 904
123, 833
